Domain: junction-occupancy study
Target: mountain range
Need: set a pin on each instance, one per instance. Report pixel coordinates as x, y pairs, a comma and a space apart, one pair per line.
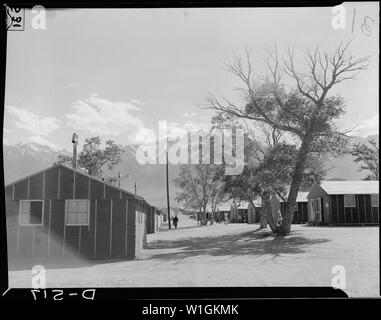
21, 160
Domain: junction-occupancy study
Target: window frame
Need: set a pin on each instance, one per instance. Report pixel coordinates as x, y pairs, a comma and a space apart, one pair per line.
372, 196
21, 224
66, 213
354, 201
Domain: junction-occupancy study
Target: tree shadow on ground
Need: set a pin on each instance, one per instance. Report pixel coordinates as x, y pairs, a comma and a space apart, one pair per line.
255, 243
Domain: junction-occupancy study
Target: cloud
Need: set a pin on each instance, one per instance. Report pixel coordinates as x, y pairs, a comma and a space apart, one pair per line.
32, 122
6, 132
137, 102
174, 129
195, 126
41, 140
72, 85
144, 136
366, 127
189, 114
102, 117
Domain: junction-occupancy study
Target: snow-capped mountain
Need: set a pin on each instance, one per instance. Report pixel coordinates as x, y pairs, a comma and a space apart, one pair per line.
23, 159
33, 150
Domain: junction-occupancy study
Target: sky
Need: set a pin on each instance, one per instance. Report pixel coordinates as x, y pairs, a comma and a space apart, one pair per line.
117, 73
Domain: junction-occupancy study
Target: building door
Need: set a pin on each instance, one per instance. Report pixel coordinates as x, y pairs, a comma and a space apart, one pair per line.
316, 210
312, 211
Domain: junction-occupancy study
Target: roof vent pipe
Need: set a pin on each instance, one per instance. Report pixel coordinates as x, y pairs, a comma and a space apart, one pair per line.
74, 141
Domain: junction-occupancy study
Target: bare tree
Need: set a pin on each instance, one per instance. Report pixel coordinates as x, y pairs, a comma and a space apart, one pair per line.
303, 110
199, 184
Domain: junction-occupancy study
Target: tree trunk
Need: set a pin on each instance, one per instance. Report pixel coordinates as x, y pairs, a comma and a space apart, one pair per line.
285, 227
251, 212
199, 216
263, 217
204, 221
212, 211
263, 222
267, 211
212, 216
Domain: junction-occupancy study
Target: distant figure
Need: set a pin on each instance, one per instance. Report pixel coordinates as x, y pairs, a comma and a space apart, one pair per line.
226, 218
279, 218
175, 221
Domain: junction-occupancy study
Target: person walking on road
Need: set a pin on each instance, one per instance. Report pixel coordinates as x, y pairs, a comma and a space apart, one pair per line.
175, 221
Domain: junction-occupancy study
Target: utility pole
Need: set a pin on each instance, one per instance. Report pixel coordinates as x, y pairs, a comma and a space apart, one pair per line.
168, 206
